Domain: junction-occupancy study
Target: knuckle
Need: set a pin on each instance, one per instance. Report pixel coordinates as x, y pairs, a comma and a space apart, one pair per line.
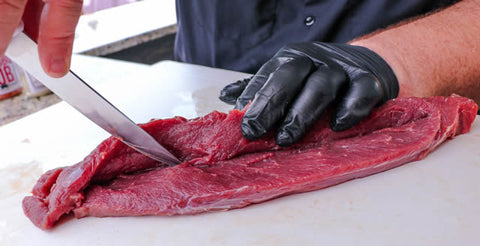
15, 5
60, 20
292, 49
337, 76
367, 81
289, 47
69, 6
328, 77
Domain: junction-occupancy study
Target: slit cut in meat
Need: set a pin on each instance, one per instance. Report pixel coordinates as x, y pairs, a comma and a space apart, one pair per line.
222, 170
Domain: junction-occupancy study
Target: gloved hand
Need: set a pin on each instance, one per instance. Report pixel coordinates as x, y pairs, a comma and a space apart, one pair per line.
294, 87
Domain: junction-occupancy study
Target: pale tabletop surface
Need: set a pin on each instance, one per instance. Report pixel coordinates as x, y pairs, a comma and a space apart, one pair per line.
429, 202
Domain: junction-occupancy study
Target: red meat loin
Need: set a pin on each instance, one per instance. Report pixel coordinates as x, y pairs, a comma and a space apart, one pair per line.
222, 170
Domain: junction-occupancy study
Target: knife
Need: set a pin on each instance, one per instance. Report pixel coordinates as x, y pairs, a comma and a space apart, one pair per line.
72, 89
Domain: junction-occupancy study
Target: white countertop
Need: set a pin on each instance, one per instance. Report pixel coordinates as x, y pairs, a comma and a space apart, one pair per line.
429, 202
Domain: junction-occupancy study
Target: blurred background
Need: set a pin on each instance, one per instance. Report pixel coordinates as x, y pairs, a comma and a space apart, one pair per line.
90, 6
139, 31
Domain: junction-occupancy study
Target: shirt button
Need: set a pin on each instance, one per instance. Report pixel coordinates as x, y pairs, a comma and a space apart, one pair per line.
309, 20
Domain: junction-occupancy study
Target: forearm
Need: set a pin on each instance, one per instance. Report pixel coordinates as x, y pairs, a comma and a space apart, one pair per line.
434, 55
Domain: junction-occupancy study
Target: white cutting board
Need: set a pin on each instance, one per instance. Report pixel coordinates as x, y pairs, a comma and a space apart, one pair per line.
435, 201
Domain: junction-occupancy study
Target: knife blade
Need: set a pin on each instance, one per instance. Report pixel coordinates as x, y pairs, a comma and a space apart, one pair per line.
72, 89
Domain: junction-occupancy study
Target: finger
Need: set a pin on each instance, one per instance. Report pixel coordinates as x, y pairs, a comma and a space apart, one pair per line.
31, 18
320, 90
11, 12
231, 92
57, 32
258, 80
272, 100
364, 94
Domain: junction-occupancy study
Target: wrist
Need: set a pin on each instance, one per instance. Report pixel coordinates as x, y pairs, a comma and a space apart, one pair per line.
392, 57
371, 62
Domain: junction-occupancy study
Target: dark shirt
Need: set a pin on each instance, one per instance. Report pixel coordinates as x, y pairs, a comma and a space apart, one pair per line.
243, 34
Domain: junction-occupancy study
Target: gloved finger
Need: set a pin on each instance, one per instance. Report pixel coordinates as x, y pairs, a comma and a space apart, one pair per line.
363, 94
56, 35
258, 80
320, 90
272, 100
231, 92
11, 12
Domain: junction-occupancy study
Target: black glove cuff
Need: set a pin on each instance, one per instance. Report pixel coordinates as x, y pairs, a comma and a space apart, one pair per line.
374, 63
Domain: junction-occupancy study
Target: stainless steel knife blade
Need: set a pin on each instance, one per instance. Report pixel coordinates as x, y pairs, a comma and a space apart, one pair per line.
72, 89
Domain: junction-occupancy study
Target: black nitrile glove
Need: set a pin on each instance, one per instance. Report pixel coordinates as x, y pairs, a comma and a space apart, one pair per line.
295, 86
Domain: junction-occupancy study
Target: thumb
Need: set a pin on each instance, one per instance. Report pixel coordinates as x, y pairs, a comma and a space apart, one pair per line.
57, 32
231, 92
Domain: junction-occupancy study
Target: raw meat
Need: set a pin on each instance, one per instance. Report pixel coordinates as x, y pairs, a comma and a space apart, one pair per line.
222, 170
